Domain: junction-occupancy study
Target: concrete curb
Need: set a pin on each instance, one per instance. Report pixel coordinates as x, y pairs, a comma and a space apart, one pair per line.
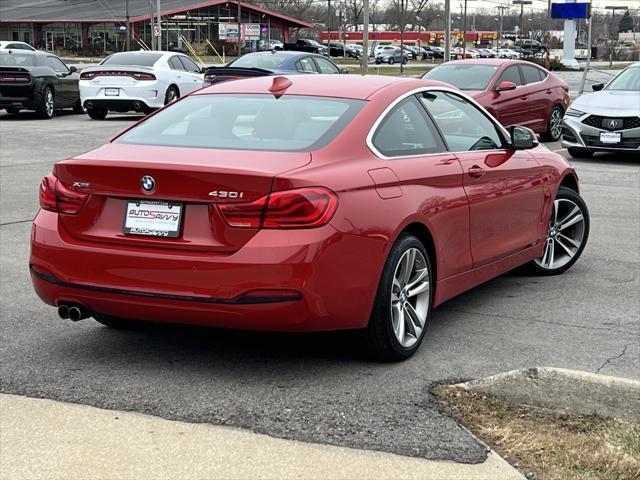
568, 391
51, 440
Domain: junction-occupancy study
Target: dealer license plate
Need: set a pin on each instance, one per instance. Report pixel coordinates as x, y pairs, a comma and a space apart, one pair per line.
112, 92
610, 137
156, 219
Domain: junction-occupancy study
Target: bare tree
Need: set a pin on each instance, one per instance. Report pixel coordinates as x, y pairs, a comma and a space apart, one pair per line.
354, 10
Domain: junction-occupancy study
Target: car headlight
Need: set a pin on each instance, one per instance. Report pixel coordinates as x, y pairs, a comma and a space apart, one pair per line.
572, 112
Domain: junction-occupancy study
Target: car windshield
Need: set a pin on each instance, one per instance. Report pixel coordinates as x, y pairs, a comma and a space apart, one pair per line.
246, 122
628, 80
17, 60
268, 62
146, 59
464, 77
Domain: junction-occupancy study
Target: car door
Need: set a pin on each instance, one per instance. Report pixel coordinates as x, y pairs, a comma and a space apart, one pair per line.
193, 75
510, 106
538, 100
66, 83
417, 166
503, 186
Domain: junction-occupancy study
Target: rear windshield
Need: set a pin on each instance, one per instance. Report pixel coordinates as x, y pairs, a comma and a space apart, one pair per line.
246, 122
17, 60
464, 77
140, 59
268, 62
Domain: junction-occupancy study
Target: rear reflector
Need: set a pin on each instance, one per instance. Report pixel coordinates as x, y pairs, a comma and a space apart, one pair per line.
55, 197
14, 78
300, 208
269, 296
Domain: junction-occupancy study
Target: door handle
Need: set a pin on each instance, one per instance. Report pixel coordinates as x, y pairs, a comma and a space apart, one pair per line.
476, 171
524, 97
549, 92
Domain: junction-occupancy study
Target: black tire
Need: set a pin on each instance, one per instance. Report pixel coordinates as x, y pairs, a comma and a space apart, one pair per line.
97, 113
12, 110
391, 61
554, 125
573, 199
172, 94
580, 153
47, 104
380, 340
405, 61
118, 323
377, 62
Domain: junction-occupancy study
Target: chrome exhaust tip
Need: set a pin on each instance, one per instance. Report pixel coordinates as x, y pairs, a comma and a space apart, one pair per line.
63, 311
77, 313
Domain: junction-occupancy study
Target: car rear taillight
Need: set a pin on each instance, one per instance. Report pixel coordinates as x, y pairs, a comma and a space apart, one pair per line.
117, 73
55, 197
301, 208
15, 78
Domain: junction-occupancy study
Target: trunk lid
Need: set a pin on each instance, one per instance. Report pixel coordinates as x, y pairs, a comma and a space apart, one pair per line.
196, 178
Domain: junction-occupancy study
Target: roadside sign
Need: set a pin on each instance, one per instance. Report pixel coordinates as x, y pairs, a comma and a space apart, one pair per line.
156, 30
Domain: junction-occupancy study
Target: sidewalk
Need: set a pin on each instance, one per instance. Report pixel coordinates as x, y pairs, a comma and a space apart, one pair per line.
45, 439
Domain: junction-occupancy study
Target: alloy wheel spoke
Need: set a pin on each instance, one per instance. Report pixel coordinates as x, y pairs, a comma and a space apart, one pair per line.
554, 213
418, 289
407, 269
570, 252
421, 274
399, 326
545, 255
552, 252
414, 321
566, 238
575, 210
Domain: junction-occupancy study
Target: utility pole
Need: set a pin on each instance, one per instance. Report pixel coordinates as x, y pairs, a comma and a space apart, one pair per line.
365, 38
239, 28
159, 25
464, 28
447, 31
586, 67
501, 8
126, 8
329, 26
522, 3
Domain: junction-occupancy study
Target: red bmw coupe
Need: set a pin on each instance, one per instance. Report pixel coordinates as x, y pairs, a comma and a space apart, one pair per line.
303, 204
516, 92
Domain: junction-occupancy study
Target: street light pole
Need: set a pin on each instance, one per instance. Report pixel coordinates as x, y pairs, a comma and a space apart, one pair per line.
126, 7
365, 38
522, 3
159, 25
447, 31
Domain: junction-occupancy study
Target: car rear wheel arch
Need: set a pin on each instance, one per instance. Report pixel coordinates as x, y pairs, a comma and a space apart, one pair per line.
570, 181
422, 233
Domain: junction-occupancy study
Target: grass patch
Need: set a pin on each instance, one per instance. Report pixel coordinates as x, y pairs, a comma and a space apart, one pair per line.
547, 445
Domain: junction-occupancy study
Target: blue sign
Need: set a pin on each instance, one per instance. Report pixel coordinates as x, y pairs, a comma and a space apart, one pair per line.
570, 10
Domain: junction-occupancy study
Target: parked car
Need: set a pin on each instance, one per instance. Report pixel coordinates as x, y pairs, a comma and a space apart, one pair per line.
508, 53
424, 53
306, 45
438, 52
141, 81
340, 50
11, 45
271, 45
463, 53
607, 120
381, 48
240, 208
260, 64
488, 53
40, 81
529, 46
411, 55
516, 92
391, 56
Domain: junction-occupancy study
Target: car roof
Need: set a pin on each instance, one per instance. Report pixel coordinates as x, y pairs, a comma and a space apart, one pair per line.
358, 87
496, 62
24, 52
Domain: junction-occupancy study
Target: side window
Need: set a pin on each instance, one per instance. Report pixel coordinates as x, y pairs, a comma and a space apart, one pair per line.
325, 66
530, 74
511, 74
189, 65
406, 131
306, 65
463, 125
57, 64
175, 64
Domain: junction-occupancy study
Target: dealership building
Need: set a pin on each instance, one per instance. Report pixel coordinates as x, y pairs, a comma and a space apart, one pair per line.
99, 26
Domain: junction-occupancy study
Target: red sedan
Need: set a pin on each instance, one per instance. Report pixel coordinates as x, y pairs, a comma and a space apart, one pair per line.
303, 204
516, 92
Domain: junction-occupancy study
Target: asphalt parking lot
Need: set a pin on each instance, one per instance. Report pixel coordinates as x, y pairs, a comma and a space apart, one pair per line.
313, 387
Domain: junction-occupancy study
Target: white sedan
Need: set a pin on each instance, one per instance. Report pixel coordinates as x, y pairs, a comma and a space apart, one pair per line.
140, 81
9, 45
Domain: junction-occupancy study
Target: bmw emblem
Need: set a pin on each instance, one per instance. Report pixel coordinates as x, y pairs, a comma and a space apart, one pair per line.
147, 183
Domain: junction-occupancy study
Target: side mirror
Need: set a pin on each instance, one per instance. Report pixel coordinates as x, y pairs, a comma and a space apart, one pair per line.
523, 138
72, 69
505, 86
344, 70
596, 87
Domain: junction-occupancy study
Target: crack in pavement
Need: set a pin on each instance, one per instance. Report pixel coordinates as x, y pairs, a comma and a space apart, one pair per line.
16, 222
611, 359
507, 317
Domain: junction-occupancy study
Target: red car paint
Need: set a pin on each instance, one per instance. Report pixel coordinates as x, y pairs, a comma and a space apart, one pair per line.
527, 105
299, 279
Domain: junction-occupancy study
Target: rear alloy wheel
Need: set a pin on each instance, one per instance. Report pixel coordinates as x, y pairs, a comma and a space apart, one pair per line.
554, 125
47, 104
403, 302
391, 61
580, 153
172, 95
97, 113
567, 235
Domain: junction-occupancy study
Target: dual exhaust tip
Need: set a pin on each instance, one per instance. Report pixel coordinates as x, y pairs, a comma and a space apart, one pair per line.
73, 312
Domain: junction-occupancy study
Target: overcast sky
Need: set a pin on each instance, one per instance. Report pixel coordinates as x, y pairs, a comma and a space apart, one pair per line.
537, 5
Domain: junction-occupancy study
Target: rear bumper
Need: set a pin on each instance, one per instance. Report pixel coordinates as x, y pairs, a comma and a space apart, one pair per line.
28, 103
334, 274
150, 94
117, 105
